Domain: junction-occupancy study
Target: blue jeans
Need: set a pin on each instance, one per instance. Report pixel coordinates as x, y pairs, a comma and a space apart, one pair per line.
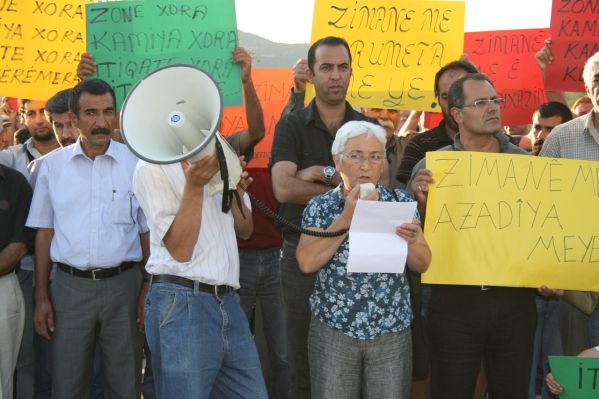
260, 284
296, 287
201, 345
547, 342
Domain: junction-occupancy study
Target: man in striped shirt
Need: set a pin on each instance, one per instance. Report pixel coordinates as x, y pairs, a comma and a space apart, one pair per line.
578, 139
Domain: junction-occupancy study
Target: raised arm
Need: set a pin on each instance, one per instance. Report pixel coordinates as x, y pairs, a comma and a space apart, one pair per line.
298, 93
253, 109
544, 57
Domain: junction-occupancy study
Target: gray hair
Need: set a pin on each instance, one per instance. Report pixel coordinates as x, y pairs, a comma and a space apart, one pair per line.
455, 95
352, 129
587, 72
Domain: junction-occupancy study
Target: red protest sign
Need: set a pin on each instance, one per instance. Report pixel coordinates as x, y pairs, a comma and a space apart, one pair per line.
273, 86
432, 119
574, 38
507, 57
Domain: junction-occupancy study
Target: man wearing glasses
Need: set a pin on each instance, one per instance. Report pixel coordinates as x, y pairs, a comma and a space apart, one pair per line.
470, 325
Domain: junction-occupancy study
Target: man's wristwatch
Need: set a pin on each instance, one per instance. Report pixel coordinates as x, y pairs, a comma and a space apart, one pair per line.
328, 172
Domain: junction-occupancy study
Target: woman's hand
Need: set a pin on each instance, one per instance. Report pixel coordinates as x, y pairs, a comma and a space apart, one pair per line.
411, 232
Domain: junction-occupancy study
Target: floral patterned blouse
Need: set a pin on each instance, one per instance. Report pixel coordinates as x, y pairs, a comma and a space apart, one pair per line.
361, 305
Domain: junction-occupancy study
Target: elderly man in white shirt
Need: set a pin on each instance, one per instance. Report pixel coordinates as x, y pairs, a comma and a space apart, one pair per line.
90, 224
198, 335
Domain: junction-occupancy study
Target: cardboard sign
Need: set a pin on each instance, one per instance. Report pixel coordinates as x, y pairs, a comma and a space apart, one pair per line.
41, 45
575, 38
396, 47
512, 220
273, 86
432, 119
508, 59
130, 39
579, 376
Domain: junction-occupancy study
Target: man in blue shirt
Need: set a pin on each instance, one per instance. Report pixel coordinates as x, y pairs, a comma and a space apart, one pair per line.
91, 225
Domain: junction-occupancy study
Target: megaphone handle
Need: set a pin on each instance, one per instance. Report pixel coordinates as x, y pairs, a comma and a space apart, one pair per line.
224, 175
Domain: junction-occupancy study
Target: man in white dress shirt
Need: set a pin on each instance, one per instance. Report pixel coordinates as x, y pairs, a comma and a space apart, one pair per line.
91, 225
198, 335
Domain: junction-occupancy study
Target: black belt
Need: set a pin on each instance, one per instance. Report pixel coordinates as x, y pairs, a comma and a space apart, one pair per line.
97, 274
187, 283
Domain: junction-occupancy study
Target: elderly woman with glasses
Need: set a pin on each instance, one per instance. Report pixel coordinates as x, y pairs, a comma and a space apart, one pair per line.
360, 342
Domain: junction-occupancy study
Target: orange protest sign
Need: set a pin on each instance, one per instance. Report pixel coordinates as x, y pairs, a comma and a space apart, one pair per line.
42, 42
273, 86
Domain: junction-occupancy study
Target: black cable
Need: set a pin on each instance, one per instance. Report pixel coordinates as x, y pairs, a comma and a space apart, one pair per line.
224, 176
274, 216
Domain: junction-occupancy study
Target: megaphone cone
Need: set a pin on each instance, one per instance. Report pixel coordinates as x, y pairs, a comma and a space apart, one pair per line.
173, 114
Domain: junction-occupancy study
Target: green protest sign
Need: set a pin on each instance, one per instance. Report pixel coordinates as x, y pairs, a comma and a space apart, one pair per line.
579, 376
130, 39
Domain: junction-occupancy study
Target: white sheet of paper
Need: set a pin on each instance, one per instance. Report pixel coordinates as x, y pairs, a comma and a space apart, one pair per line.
373, 245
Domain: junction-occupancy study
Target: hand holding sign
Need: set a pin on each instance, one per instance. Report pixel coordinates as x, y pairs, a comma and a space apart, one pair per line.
575, 377
87, 66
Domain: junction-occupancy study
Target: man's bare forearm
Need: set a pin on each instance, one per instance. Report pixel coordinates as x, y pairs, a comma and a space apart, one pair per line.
10, 257
298, 191
43, 262
253, 113
243, 223
181, 237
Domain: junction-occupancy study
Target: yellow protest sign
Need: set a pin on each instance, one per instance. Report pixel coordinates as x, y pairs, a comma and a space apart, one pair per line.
513, 220
396, 47
40, 47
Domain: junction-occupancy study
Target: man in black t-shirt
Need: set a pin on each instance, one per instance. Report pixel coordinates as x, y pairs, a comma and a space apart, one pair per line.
15, 198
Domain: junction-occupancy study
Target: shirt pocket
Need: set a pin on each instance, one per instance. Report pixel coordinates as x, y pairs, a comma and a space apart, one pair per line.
122, 208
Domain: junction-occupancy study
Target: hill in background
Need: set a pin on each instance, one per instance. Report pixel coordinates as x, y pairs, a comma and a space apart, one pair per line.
268, 54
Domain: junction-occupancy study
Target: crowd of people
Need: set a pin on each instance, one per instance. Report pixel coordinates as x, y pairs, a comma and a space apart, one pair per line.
120, 277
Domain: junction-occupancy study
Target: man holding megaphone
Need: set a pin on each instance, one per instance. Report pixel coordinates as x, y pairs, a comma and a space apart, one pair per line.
196, 330
191, 186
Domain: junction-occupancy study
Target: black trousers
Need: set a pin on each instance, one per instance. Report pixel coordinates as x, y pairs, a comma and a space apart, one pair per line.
470, 327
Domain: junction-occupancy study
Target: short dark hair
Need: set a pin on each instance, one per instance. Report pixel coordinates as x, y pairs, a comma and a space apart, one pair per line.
22, 135
455, 95
22, 102
452, 66
554, 108
325, 41
96, 87
58, 103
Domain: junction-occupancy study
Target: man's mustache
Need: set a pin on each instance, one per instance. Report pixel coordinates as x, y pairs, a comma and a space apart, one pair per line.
100, 130
386, 123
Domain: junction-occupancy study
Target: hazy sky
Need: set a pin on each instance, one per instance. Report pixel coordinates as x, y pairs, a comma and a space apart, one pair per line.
290, 21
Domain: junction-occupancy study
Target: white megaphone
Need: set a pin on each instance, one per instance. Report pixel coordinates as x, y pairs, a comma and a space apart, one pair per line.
172, 114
